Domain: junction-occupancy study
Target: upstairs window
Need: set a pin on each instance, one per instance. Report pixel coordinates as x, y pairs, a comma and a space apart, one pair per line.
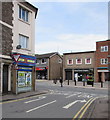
88, 61
70, 62
37, 61
23, 41
43, 61
104, 61
104, 48
23, 14
60, 61
78, 61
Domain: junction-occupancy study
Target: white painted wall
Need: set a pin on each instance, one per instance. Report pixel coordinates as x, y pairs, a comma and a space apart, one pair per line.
26, 29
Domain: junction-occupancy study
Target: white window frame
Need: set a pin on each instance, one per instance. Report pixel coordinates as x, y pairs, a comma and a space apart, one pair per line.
103, 48
77, 62
24, 43
86, 60
26, 14
69, 63
103, 59
43, 62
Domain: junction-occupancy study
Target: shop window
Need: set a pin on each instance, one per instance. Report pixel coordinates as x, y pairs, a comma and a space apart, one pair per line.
43, 61
78, 61
88, 61
104, 61
104, 48
70, 62
23, 41
23, 14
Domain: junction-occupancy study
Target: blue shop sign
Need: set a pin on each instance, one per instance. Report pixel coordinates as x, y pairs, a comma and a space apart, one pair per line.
24, 60
22, 68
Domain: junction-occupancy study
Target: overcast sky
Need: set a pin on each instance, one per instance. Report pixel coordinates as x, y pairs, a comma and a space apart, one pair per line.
70, 26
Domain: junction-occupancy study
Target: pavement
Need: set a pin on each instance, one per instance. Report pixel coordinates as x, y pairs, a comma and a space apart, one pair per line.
99, 108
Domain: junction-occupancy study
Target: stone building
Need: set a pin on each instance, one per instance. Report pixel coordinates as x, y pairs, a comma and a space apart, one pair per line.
17, 54
49, 66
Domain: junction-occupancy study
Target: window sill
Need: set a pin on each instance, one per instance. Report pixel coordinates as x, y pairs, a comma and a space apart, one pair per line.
25, 49
23, 21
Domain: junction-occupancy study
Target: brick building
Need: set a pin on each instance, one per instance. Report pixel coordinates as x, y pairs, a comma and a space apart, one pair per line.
102, 60
78, 64
17, 56
49, 66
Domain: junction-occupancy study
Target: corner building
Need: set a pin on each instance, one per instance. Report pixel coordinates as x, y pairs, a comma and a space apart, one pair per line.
18, 51
102, 60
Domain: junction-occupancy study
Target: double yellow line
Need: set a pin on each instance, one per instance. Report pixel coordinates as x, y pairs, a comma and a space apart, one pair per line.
82, 111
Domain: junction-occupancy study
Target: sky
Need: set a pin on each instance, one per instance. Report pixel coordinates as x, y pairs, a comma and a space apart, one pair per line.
66, 27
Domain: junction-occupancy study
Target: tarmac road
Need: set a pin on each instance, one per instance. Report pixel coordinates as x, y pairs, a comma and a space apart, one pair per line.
61, 102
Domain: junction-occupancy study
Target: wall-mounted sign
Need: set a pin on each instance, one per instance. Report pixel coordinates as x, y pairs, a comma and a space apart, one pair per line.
22, 68
40, 68
24, 60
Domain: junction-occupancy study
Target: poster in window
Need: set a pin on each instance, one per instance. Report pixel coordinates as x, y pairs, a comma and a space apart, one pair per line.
28, 79
21, 79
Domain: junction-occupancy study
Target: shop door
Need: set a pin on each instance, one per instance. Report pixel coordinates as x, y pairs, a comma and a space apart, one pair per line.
5, 78
68, 75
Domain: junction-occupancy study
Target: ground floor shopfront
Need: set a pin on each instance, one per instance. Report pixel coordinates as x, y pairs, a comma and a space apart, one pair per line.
41, 72
103, 75
78, 74
17, 74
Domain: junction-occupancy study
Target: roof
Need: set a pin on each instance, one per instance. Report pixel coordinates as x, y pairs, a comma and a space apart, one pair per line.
103, 41
47, 55
79, 52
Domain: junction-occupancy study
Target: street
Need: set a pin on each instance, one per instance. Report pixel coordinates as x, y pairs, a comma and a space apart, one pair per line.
59, 102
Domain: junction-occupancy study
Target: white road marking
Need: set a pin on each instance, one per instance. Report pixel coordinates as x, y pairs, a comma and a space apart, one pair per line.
40, 98
73, 95
69, 105
40, 106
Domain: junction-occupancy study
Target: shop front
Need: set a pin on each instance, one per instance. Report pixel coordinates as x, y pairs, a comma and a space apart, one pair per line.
83, 74
41, 72
23, 73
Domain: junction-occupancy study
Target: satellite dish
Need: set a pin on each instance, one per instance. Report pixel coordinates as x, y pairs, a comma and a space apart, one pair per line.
18, 47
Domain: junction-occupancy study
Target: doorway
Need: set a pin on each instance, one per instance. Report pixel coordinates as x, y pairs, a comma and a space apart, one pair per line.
5, 78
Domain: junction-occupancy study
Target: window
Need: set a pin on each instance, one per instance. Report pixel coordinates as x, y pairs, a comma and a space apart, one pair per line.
104, 48
23, 41
104, 61
70, 61
88, 61
78, 61
43, 61
60, 61
23, 14
37, 61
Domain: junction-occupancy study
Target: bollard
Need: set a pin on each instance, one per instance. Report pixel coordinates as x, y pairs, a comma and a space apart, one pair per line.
92, 84
68, 82
75, 82
101, 84
83, 83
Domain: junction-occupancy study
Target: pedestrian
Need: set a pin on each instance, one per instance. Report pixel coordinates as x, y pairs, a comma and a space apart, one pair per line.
61, 81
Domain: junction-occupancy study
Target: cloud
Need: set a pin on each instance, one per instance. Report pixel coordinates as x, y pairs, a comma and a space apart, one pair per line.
70, 42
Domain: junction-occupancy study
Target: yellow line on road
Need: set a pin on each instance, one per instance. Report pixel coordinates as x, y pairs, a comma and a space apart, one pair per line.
86, 108
81, 109
20, 99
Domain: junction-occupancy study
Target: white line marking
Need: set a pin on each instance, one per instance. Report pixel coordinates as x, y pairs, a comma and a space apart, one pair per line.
69, 105
40, 98
40, 106
72, 95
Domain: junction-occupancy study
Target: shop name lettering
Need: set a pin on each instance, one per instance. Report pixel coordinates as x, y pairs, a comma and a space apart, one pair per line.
24, 68
26, 60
